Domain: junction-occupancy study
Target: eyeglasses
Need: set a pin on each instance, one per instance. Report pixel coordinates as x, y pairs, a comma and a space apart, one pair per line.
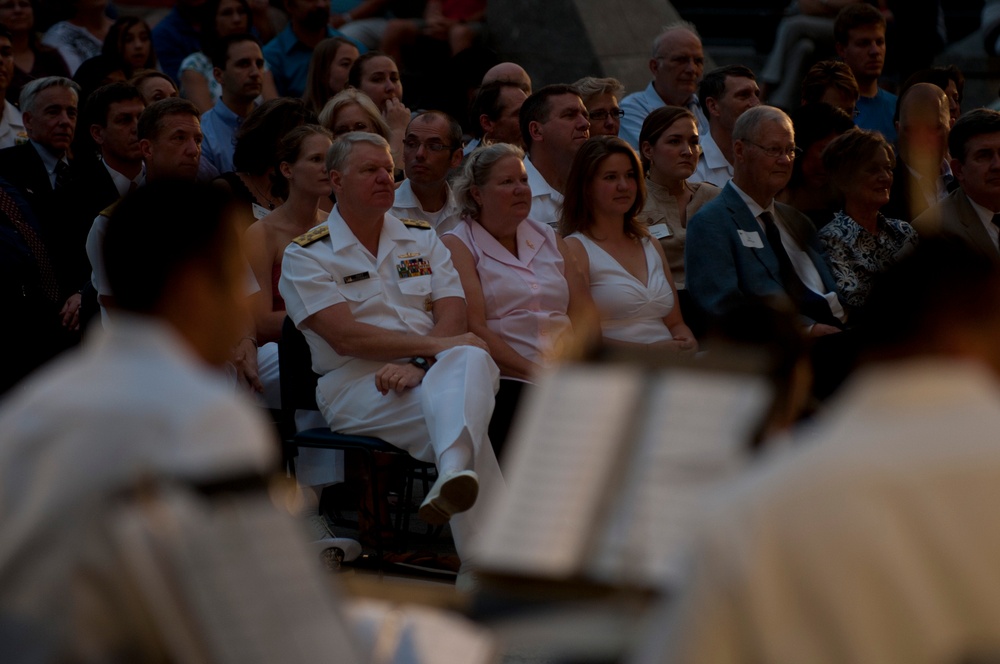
601, 116
414, 144
774, 152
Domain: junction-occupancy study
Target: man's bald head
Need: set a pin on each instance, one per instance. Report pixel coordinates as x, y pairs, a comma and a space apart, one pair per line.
923, 126
509, 72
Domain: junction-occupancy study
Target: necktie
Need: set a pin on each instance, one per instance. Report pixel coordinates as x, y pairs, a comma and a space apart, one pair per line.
62, 175
789, 277
808, 302
50, 286
996, 222
132, 186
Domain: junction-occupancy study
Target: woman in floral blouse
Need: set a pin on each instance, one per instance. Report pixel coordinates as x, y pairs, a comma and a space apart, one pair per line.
860, 242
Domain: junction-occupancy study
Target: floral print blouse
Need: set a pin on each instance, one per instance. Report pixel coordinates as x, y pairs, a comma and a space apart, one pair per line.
856, 257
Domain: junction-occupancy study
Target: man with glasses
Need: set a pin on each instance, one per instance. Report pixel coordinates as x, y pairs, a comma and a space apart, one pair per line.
744, 244
676, 65
431, 148
600, 96
725, 93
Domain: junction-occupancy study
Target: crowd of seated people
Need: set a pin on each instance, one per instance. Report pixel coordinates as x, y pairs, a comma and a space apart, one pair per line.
424, 254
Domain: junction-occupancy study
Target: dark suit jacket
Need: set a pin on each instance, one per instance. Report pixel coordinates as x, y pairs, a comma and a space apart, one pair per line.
906, 199
91, 191
32, 331
22, 167
721, 270
956, 216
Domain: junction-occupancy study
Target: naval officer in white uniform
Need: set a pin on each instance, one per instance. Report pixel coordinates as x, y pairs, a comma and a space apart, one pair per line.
384, 314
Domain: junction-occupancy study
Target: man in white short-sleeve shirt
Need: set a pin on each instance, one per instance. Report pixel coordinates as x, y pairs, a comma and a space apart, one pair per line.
383, 311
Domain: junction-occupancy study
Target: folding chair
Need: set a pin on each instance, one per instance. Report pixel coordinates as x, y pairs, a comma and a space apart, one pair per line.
298, 392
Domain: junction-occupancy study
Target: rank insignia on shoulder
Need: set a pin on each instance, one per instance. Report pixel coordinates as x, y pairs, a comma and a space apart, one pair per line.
360, 276
416, 223
311, 236
106, 212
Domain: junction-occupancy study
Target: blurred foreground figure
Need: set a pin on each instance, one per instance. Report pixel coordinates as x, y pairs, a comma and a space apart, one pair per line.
87, 571
875, 540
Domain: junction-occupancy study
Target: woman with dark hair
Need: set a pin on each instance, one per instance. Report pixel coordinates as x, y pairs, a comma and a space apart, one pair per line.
255, 182
861, 243
328, 71
301, 164
129, 43
154, 85
669, 147
32, 59
377, 75
220, 18
627, 272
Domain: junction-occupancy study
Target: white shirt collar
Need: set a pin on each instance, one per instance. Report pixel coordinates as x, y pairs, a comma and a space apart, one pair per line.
49, 160
755, 208
122, 183
539, 185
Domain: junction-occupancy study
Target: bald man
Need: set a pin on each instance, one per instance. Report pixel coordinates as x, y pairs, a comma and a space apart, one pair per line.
509, 72
922, 177
677, 63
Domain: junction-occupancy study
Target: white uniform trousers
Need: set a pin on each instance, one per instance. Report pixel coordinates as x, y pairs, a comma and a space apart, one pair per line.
451, 406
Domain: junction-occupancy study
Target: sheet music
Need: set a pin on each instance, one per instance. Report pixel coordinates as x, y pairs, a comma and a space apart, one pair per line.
231, 580
694, 435
560, 454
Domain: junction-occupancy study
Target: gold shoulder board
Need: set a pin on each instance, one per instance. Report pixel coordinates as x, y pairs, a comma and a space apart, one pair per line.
308, 238
107, 212
416, 223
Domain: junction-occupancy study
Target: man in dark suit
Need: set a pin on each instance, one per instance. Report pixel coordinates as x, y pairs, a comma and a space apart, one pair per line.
41, 166
41, 170
111, 116
918, 180
745, 244
971, 212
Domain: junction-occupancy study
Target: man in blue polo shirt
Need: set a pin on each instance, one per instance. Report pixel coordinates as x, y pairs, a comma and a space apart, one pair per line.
238, 67
289, 53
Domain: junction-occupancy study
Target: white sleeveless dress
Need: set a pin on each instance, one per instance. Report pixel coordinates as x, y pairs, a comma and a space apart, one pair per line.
630, 311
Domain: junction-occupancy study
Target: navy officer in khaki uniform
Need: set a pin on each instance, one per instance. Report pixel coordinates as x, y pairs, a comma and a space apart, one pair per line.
383, 311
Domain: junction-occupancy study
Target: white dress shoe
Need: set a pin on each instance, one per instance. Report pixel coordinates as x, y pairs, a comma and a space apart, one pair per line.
452, 493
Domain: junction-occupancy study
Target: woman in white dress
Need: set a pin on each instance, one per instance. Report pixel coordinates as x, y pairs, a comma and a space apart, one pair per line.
628, 273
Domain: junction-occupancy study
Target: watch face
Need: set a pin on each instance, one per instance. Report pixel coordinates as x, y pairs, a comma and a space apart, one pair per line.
420, 362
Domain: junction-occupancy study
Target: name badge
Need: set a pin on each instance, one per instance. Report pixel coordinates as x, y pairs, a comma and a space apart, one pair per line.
660, 231
259, 211
751, 240
413, 267
360, 276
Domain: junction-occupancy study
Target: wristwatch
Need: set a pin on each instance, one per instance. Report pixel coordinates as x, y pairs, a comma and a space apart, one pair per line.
421, 363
